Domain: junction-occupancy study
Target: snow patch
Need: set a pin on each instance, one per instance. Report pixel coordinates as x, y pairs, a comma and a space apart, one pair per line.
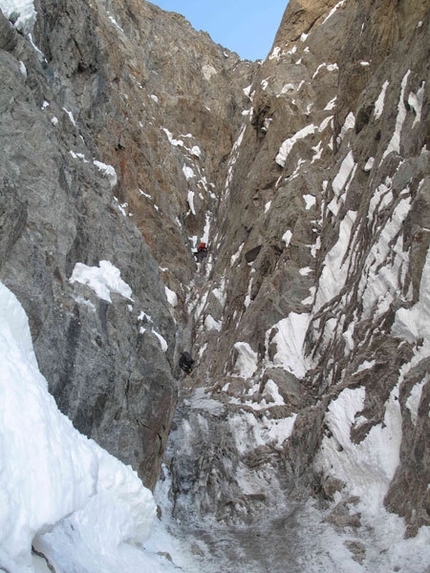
289, 143
107, 171
290, 340
57, 487
21, 13
103, 280
246, 361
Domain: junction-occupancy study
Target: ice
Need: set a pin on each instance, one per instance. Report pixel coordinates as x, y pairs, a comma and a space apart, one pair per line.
103, 280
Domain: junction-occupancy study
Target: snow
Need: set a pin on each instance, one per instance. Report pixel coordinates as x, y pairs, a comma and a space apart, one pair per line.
379, 104
208, 71
289, 143
212, 324
394, 145
60, 492
414, 323
342, 181
107, 171
328, 67
22, 13
249, 433
196, 151
310, 201
385, 267
347, 126
369, 164
333, 10
369, 466
416, 101
162, 340
275, 53
331, 104
414, 398
172, 297
335, 271
103, 280
236, 256
190, 198
289, 341
172, 140
286, 237
70, 116
246, 361
188, 172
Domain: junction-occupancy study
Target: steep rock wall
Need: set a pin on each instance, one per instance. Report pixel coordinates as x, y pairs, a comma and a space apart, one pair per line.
321, 248
309, 177
93, 169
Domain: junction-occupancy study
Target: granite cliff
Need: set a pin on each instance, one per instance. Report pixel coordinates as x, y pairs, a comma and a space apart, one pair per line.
127, 137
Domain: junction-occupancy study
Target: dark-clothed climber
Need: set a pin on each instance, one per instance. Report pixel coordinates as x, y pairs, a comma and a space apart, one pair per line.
186, 362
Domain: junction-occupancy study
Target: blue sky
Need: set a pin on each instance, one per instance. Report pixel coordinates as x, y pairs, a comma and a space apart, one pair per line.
247, 27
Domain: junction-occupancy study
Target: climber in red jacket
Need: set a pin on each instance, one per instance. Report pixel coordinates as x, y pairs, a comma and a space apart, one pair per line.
201, 252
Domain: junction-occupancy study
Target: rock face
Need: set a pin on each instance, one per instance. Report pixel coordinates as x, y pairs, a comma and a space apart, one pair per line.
320, 258
129, 137
91, 171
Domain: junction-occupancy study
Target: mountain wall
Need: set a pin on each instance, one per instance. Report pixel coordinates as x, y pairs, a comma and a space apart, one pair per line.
127, 138
93, 169
305, 327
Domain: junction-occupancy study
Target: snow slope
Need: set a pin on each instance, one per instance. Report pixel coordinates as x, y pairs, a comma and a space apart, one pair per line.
59, 491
